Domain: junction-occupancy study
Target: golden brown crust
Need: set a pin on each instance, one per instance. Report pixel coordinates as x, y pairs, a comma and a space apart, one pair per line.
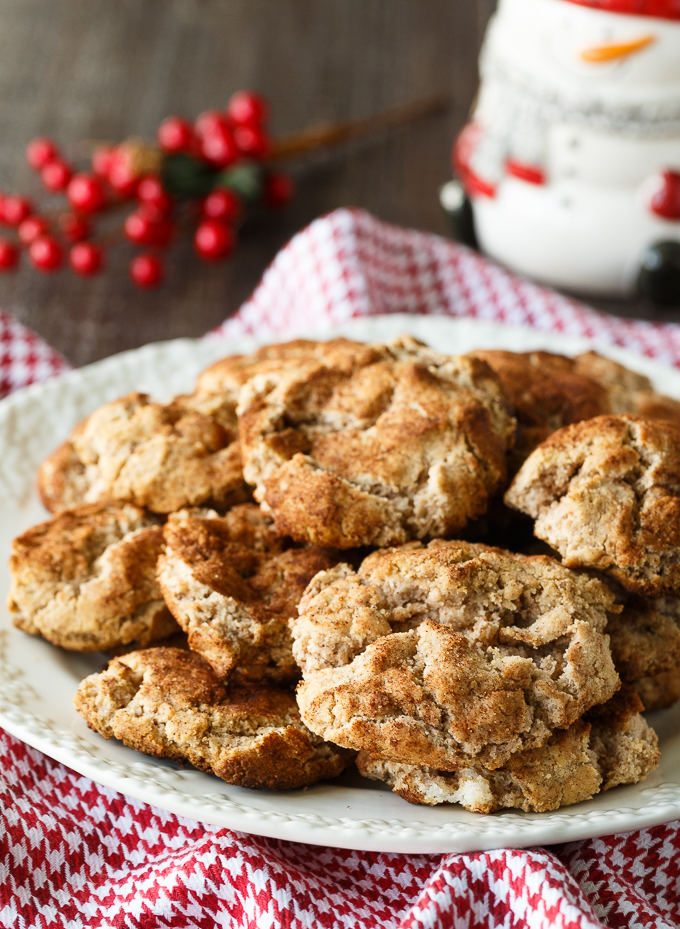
605, 494
162, 457
374, 445
645, 638
545, 393
627, 748
629, 392
548, 391
616, 746
233, 586
86, 579
494, 597
218, 387
169, 703
659, 691
385, 672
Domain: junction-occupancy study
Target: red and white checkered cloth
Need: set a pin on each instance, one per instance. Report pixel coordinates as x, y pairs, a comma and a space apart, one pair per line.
74, 854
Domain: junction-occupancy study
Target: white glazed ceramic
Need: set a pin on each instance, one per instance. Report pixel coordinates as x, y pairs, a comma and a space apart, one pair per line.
37, 681
600, 131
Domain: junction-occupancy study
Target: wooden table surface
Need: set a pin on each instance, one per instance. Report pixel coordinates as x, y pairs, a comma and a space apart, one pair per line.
97, 69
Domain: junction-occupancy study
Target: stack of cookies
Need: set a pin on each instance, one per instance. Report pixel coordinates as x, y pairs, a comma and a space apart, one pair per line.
297, 566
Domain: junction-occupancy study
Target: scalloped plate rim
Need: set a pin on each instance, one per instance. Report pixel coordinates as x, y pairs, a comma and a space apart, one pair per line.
451, 829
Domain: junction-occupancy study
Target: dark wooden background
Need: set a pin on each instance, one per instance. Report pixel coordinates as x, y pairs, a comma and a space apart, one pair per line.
107, 69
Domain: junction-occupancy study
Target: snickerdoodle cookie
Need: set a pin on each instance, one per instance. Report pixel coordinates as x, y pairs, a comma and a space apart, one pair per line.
233, 585
659, 691
612, 745
628, 391
218, 387
86, 579
452, 654
169, 703
160, 456
545, 393
605, 494
645, 638
374, 445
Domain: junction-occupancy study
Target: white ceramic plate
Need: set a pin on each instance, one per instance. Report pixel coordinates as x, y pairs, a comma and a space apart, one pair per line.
37, 681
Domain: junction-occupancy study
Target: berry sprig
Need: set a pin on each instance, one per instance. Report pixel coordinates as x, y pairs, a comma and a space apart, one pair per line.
208, 176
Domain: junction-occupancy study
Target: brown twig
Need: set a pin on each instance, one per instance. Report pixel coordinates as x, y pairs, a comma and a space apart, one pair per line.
324, 135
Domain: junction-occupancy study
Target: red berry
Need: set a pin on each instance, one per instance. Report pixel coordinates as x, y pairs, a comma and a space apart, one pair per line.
45, 253
209, 122
39, 152
31, 227
146, 270
85, 258
278, 190
102, 161
145, 228
222, 203
74, 227
9, 256
56, 175
121, 176
151, 192
175, 135
15, 209
85, 193
252, 141
219, 147
162, 232
139, 229
214, 240
247, 107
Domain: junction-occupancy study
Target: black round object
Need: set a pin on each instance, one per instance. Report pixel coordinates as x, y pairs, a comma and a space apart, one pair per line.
659, 276
458, 208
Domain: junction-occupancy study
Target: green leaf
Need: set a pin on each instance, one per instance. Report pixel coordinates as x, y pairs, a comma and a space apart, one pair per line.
247, 180
184, 176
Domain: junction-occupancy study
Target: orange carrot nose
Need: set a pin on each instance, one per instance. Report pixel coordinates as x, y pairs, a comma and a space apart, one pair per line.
614, 50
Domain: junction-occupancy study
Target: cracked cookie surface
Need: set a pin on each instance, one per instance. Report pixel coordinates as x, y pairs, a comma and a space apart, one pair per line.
169, 703
86, 579
160, 456
612, 745
645, 638
454, 652
605, 494
659, 691
233, 585
545, 393
374, 445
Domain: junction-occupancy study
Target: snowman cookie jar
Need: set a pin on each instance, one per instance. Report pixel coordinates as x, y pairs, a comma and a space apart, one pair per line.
572, 158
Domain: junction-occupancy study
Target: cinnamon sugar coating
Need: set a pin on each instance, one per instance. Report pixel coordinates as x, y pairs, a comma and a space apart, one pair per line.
659, 691
452, 654
545, 392
160, 456
374, 445
168, 703
233, 585
86, 579
609, 747
605, 494
628, 391
645, 638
